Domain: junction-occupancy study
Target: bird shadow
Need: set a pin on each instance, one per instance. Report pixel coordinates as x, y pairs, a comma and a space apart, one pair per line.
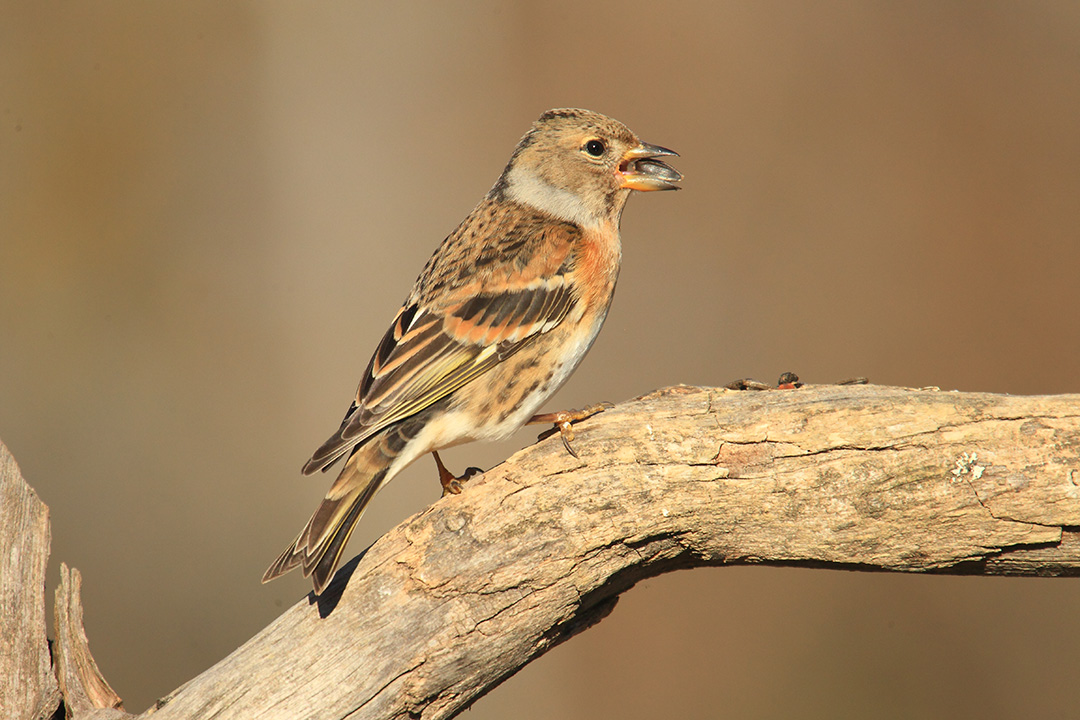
328, 600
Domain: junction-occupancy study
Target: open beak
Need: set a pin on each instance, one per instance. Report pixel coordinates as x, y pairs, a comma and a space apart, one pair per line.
641, 170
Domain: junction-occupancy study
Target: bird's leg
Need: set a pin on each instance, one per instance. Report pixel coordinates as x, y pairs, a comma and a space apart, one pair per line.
451, 484
564, 422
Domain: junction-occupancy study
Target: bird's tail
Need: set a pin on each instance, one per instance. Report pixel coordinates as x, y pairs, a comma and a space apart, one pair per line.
318, 547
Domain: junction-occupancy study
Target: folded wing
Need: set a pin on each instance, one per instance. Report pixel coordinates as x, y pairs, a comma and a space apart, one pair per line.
428, 354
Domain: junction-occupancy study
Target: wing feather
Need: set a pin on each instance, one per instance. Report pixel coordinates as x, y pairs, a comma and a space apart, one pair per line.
425, 356
468, 311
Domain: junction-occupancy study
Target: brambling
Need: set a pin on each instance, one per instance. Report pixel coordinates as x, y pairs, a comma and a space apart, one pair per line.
501, 315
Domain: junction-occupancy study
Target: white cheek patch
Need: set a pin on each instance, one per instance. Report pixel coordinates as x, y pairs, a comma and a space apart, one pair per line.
527, 188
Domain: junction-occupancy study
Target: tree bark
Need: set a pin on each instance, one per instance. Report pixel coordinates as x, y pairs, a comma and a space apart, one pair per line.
457, 598
27, 686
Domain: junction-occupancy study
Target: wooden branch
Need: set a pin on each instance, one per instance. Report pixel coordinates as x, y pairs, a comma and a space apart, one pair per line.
459, 597
27, 686
86, 694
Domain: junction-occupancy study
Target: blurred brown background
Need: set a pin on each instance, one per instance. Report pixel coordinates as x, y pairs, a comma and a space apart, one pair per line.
209, 214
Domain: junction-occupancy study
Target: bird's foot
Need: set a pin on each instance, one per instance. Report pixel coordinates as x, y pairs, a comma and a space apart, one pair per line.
451, 484
564, 420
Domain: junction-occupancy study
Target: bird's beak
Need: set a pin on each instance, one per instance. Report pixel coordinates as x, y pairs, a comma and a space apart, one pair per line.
641, 170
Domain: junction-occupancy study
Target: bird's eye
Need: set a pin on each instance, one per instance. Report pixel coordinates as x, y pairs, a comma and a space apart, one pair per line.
595, 148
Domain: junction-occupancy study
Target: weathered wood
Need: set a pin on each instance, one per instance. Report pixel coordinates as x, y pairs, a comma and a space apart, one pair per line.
27, 686
86, 694
455, 599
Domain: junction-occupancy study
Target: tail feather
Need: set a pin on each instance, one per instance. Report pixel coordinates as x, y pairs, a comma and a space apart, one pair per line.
324, 553
318, 547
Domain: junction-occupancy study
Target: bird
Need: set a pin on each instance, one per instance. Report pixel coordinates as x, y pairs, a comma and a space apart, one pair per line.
501, 315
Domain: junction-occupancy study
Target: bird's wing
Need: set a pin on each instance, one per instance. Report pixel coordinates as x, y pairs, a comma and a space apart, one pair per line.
430, 352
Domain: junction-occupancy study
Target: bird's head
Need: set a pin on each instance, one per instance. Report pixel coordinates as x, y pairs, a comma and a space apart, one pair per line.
580, 166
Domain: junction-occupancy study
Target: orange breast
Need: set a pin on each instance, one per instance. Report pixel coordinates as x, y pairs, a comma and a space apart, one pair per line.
599, 256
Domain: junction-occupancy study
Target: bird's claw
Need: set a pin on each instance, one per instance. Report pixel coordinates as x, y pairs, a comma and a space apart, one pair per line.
563, 422
451, 484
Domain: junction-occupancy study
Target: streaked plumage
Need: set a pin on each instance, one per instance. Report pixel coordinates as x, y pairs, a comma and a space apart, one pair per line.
501, 315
